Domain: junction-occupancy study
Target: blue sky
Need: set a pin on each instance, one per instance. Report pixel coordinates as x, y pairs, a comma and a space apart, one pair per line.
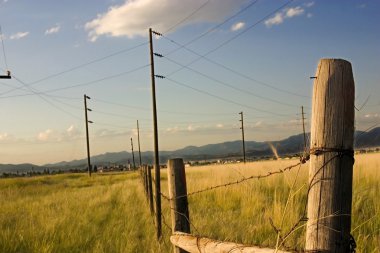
259, 58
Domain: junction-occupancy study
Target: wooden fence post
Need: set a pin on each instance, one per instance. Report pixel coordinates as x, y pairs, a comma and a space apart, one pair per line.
146, 181
150, 190
178, 198
332, 158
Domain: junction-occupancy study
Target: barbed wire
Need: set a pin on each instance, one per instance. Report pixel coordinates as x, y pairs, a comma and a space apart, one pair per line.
301, 222
239, 181
297, 225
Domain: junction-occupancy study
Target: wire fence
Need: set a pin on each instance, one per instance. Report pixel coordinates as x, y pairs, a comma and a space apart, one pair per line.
282, 235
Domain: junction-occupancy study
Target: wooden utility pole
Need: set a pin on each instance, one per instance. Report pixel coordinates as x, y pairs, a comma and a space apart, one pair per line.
138, 142
242, 133
178, 198
332, 158
87, 138
155, 131
303, 127
133, 155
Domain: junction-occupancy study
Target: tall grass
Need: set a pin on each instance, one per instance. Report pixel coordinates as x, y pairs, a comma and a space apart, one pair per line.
109, 213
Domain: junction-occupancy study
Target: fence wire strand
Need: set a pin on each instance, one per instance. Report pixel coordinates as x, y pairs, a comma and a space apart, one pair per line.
239, 181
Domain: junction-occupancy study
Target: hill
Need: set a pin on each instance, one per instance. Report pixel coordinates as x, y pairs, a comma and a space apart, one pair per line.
290, 145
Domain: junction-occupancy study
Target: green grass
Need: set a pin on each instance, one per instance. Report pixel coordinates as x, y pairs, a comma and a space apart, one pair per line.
109, 212
73, 213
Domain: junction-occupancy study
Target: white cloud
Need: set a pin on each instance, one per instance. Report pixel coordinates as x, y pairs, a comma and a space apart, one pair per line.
237, 26
134, 17
310, 4
18, 35
45, 135
362, 6
50, 135
191, 128
309, 15
4, 136
292, 12
172, 130
72, 132
52, 30
281, 16
372, 115
219, 125
259, 123
276, 20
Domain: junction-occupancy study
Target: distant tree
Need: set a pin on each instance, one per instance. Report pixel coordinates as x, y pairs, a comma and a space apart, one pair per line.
95, 168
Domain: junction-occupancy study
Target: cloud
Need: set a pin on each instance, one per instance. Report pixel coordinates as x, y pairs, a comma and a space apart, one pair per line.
19, 35
52, 30
371, 115
219, 125
281, 16
72, 132
45, 135
4, 136
237, 26
310, 4
362, 6
276, 20
292, 12
134, 17
191, 128
309, 15
172, 130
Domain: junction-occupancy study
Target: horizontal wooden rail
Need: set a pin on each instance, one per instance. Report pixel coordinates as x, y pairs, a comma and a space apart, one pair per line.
193, 244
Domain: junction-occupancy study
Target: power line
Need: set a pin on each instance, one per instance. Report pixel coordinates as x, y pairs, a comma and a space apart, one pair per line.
80, 84
2, 43
214, 27
49, 102
189, 16
223, 99
79, 66
161, 111
229, 85
238, 73
224, 43
118, 115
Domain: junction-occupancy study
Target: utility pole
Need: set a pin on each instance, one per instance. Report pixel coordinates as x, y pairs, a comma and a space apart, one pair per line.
156, 157
303, 126
138, 141
87, 138
133, 155
242, 133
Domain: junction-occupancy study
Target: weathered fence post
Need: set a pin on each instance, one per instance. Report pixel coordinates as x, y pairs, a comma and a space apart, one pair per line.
150, 190
332, 158
178, 198
146, 183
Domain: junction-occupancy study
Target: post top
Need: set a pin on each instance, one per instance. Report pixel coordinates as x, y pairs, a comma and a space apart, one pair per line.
334, 60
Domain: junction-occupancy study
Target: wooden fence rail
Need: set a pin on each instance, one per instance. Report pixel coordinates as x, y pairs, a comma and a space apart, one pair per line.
194, 244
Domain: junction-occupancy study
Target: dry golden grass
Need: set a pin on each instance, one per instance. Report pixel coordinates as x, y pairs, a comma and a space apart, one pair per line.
109, 213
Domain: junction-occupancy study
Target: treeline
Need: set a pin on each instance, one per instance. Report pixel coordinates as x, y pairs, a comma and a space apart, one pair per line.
33, 173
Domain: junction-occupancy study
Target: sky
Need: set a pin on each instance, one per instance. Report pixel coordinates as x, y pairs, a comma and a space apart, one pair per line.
220, 57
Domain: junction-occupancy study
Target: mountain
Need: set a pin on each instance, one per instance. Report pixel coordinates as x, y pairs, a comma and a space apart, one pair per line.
291, 145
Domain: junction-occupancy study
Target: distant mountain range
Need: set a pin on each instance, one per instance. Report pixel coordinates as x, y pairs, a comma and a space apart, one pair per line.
231, 149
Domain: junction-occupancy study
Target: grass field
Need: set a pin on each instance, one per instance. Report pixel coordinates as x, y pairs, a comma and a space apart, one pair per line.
109, 213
